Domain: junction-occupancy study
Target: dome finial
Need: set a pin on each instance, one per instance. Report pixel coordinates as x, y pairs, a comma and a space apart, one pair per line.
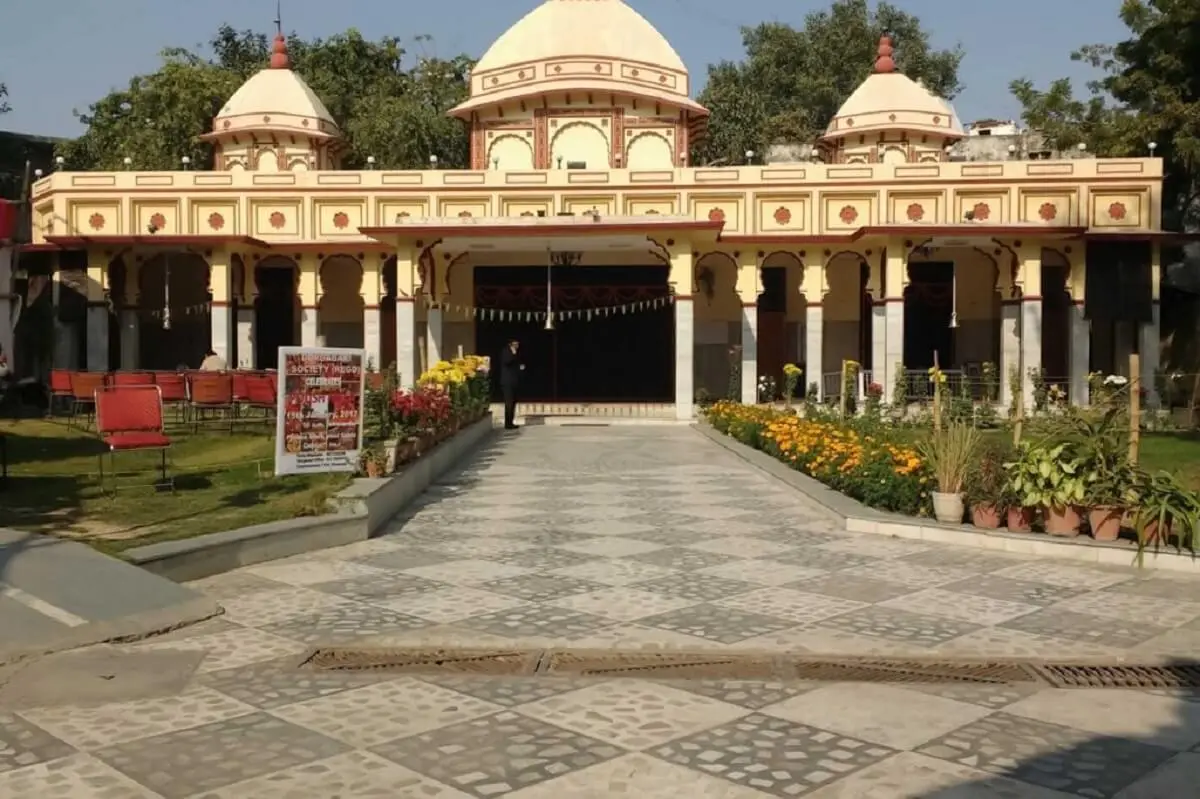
279, 54
884, 62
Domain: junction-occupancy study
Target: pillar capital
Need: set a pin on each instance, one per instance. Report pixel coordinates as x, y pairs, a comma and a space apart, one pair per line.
749, 276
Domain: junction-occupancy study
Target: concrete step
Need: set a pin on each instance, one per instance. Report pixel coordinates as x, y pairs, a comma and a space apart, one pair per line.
57, 594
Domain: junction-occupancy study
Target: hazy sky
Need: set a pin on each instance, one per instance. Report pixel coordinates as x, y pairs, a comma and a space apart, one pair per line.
56, 57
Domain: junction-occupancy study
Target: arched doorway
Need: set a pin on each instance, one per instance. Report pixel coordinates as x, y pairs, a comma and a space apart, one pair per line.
340, 309
276, 310
1056, 319
844, 315
175, 324
928, 306
780, 315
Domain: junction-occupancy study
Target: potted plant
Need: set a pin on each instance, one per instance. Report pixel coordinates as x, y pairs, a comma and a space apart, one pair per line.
1109, 497
1050, 478
949, 452
1168, 514
1100, 441
373, 461
986, 482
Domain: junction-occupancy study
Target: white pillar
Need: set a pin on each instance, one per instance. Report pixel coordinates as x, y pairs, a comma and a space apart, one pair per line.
1010, 349
685, 345
893, 346
814, 345
879, 340
1031, 346
309, 329
435, 331
1149, 350
749, 353
97, 337
245, 338
372, 341
406, 345
130, 339
222, 317
1081, 355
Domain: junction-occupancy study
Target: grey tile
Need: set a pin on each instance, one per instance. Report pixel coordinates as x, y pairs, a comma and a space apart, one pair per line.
506, 691
23, 744
750, 694
275, 683
772, 755
345, 623
1048, 755
682, 559
968, 559
541, 587
1160, 587
813, 558
543, 558
994, 696
716, 623
406, 558
697, 588
996, 587
382, 586
181, 764
232, 584
497, 754
543, 537
858, 589
1056, 623
899, 626
540, 621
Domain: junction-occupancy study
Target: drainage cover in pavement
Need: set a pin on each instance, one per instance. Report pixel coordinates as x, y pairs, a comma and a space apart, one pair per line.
662, 665
459, 661
1181, 675
910, 671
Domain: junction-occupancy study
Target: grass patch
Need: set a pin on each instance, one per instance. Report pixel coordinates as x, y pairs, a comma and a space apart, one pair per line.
222, 481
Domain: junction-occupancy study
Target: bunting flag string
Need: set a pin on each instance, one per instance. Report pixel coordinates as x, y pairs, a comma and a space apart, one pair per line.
196, 309
567, 314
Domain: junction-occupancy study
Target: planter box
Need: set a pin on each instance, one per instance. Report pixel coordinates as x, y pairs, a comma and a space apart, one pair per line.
359, 512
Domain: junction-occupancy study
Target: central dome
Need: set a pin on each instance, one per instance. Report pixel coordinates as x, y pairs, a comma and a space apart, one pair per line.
573, 45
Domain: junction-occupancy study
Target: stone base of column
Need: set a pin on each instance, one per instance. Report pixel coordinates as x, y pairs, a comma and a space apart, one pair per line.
1031, 347
1150, 351
406, 343
130, 339
372, 342
685, 345
1081, 354
97, 338
221, 339
1010, 350
894, 346
749, 365
245, 338
435, 338
309, 328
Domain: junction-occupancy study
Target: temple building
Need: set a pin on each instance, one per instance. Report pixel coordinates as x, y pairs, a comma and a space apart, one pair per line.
581, 229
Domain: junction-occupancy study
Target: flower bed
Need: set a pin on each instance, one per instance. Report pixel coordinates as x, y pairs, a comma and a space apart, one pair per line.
409, 422
867, 467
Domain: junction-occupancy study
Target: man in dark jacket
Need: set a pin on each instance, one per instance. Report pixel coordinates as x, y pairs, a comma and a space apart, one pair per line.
510, 376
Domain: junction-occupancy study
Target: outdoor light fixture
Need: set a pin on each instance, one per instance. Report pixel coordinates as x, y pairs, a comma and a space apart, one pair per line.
186, 161
1153, 146
59, 161
1012, 150
37, 173
433, 161
370, 162
128, 161
1082, 147
749, 156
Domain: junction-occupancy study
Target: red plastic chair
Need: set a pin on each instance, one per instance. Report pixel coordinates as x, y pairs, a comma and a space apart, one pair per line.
210, 392
174, 391
261, 394
83, 392
60, 389
131, 379
130, 419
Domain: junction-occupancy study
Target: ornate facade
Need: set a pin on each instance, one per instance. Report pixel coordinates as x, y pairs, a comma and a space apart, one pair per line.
881, 250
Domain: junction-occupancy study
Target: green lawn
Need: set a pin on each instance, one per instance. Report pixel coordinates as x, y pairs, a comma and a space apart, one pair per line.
222, 481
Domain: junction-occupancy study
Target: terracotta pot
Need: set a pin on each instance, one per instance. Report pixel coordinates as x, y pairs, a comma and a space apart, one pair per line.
1154, 536
985, 515
374, 469
1063, 521
1105, 521
1019, 520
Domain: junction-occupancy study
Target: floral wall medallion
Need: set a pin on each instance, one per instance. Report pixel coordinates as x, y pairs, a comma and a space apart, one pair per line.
277, 220
981, 212
782, 216
915, 212
1048, 212
716, 215
848, 214
158, 221
341, 220
1117, 212
216, 221
96, 221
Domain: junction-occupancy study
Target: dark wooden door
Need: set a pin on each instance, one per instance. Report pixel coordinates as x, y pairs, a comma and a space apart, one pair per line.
772, 345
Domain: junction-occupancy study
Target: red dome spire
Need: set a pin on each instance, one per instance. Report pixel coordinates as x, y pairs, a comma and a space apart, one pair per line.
884, 63
279, 55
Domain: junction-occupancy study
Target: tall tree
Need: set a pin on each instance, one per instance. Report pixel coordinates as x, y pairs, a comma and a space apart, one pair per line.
792, 82
1148, 91
4, 106
387, 110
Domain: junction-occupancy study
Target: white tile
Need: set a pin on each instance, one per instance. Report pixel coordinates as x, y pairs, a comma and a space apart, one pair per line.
1136, 715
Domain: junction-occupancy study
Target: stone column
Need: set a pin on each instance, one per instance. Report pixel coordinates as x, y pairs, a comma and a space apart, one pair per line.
435, 335
97, 312
749, 286
1010, 348
814, 348
63, 356
309, 290
682, 280
221, 314
1030, 275
1150, 334
406, 317
245, 321
895, 282
878, 327
370, 293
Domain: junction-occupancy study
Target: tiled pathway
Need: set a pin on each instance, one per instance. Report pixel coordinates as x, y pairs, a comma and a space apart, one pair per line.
636, 537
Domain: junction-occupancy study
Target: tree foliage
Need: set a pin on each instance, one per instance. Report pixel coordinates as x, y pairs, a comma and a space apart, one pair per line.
4, 106
792, 82
387, 108
1148, 91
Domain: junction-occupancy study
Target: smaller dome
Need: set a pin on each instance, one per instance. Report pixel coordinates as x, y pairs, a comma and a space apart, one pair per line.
890, 100
276, 99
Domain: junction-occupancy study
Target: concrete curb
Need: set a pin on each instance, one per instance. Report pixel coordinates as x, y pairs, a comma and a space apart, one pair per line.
859, 518
363, 509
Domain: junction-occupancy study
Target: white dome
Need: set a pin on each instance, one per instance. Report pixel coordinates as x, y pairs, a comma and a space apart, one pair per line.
573, 45
889, 100
276, 99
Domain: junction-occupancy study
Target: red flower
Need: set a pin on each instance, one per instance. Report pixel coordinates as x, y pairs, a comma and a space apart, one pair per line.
421, 411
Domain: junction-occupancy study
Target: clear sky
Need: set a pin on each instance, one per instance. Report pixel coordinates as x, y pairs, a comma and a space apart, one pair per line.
56, 57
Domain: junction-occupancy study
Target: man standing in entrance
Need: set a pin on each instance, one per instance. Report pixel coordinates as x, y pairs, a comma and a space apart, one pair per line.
510, 375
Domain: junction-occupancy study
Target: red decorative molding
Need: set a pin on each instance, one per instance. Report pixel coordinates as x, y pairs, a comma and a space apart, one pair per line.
158, 221
96, 221
1117, 212
341, 220
1048, 212
981, 211
541, 139
716, 215
478, 145
782, 216
216, 221
848, 214
618, 138
277, 220
915, 212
